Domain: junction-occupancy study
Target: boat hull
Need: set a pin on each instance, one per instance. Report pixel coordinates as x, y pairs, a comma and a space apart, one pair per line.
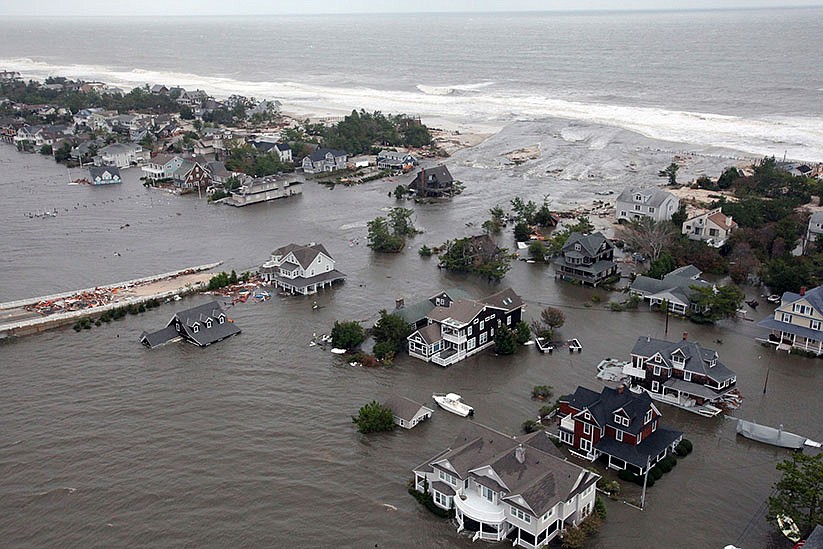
769, 435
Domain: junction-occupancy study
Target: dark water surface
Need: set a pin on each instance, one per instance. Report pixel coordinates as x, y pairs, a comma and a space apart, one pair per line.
104, 443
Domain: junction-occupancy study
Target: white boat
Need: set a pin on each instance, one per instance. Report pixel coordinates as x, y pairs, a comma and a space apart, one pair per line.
452, 402
684, 403
611, 369
770, 435
338, 351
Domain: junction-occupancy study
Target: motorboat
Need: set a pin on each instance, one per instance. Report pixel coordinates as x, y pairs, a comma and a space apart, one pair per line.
770, 435
774, 298
452, 402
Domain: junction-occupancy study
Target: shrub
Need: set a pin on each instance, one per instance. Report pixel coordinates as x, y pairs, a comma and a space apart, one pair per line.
522, 332
596, 298
600, 505
384, 349
626, 475
347, 334
374, 418
531, 426
542, 392
665, 466
612, 487
616, 307
683, 448
425, 499
656, 473
425, 251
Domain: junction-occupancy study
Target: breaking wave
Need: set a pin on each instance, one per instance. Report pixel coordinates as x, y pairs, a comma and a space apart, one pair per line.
797, 137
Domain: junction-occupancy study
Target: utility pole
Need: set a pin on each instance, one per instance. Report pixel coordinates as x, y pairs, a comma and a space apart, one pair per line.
645, 480
665, 305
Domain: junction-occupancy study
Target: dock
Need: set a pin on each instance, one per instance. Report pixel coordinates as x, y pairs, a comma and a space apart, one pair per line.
38, 314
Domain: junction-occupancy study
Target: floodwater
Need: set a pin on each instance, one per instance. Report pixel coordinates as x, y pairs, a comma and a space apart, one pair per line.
249, 442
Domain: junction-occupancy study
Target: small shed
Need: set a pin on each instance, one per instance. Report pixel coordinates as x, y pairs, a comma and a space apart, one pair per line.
408, 413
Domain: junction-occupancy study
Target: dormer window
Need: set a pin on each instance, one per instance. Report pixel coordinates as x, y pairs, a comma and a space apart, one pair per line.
208, 323
678, 360
221, 319
195, 327
638, 198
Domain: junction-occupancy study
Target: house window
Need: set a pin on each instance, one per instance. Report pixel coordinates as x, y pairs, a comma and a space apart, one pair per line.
586, 445
648, 417
655, 386
508, 320
469, 331
487, 493
221, 319
786, 317
814, 325
657, 370
618, 419
651, 210
471, 344
802, 309
482, 325
687, 376
587, 428
195, 328
637, 207
446, 477
618, 435
208, 323
624, 421
484, 337
520, 514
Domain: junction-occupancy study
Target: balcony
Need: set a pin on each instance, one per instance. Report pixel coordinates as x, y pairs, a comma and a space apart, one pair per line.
480, 509
447, 357
632, 371
567, 423
454, 336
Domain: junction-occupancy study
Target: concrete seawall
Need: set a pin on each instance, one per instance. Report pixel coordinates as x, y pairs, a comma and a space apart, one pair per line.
28, 326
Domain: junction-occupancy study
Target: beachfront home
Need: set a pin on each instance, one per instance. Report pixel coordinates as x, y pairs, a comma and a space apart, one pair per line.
616, 424
201, 325
796, 322
464, 327
587, 258
433, 182
814, 231
193, 173
162, 166
416, 313
282, 150
680, 373
653, 202
395, 160
301, 269
192, 98
254, 190
407, 413
676, 289
104, 175
324, 160
159, 89
713, 227
121, 155
501, 487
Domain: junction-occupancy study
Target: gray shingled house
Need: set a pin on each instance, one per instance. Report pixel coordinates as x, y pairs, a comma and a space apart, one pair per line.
433, 182
675, 288
653, 202
201, 325
587, 258
415, 314
407, 413
520, 489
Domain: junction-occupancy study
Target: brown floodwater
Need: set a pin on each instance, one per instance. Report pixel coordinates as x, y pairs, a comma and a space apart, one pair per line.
249, 442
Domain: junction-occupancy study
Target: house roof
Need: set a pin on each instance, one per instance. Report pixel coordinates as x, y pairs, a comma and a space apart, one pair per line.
158, 338
652, 196
639, 454
119, 148
697, 358
419, 310
677, 282
506, 299
430, 333
605, 404
589, 242
320, 154
204, 336
436, 177
218, 169
813, 296
303, 254
462, 311
98, 171
404, 408
537, 482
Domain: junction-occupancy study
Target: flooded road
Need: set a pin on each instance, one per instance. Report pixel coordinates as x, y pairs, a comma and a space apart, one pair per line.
250, 442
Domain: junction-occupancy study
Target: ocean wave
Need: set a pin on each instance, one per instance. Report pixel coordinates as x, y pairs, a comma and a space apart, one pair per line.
797, 137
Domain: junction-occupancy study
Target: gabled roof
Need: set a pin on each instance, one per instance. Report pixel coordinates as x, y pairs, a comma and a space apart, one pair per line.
436, 177
678, 283
652, 196
697, 357
321, 153
303, 254
98, 171
537, 482
506, 299
204, 336
589, 242
462, 311
158, 338
419, 310
813, 296
604, 405
431, 333
404, 408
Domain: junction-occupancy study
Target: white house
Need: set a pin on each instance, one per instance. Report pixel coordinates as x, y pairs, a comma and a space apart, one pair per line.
301, 269
502, 487
797, 322
635, 203
814, 231
713, 227
407, 413
121, 155
162, 166
324, 160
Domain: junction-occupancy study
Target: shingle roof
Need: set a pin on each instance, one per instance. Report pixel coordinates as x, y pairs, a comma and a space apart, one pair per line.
320, 154
404, 408
815, 539
653, 196
813, 296
506, 299
98, 171
589, 242
303, 254
603, 406
430, 333
639, 455
678, 282
436, 177
696, 357
462, 311
160, 337
204, 336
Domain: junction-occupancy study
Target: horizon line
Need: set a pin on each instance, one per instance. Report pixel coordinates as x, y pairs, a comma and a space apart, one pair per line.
444, 12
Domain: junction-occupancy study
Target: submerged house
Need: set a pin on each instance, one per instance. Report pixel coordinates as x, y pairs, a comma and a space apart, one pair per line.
676, 289
416, 313
617, 424
587, 258
201, 325
681, 373
301, 269
263, 189
433, 182
104, 175
407, 413
395, 160
796, 322
519, 489
459, 329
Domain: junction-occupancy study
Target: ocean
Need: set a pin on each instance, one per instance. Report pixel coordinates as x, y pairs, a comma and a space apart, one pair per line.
249, 442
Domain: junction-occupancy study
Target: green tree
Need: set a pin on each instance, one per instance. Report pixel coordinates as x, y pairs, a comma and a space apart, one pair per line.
522, 332
425, 251
347, 334
374, 418
381, 238
400, 192
392, 329
799, 492
186, 113
63, 152
505, 342
538, 251
661, 266
782, 275
524, 211
45, 149
722, 301
679, 217
478, 255
728, 177
670, 172
401, 223
521, 231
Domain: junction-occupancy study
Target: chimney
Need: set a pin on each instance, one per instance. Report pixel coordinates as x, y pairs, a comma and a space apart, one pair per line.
423, 181
399, 303
685, 336
802, 290
648, 339
620, 389
520, 454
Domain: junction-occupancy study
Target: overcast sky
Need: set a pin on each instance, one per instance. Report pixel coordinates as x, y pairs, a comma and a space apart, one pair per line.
278, 7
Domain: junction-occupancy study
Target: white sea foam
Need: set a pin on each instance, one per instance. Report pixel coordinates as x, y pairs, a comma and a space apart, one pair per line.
797, 137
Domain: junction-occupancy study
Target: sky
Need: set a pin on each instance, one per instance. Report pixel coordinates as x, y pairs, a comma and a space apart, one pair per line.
283, 7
